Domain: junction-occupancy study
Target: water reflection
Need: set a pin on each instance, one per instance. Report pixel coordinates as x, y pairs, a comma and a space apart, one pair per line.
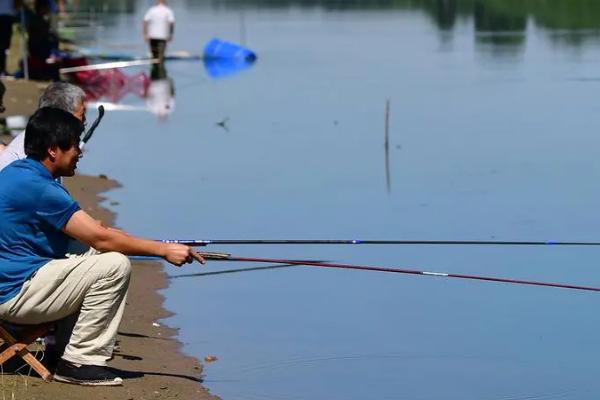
223, 68
502, 22
111, 85
160, 96
489, 15
500, 26
501, 35
106, 6
118, 90
386, 146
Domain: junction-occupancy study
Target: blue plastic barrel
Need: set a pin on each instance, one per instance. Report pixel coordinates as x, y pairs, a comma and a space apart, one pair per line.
217, 49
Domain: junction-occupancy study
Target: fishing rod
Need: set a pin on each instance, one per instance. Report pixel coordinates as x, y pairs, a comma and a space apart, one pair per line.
193, 242
90, 132
215, 256
110, 65
228, 257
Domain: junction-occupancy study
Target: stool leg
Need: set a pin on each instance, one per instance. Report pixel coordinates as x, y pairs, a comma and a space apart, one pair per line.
20, 347
36, 365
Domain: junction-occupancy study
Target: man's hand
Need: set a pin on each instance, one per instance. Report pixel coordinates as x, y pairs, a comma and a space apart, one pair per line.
81, 226
179, 254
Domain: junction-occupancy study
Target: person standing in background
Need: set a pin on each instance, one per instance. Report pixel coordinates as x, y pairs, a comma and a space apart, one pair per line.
159, 25
7, 17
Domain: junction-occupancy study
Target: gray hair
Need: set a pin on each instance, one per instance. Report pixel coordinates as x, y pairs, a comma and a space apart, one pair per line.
62, 95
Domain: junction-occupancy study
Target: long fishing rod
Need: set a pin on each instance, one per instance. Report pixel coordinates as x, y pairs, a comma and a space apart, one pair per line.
109, 65
193, 242
228, 257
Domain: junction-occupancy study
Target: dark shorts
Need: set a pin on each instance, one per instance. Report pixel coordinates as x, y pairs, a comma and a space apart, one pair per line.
157, 47
6, 22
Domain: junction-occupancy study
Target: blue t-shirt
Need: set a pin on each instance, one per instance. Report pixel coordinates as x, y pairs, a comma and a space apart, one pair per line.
33, 210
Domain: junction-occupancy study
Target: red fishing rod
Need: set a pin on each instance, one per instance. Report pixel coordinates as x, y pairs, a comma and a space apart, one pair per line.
228, 257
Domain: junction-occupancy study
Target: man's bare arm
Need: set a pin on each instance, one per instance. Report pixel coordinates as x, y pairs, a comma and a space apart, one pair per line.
83, 227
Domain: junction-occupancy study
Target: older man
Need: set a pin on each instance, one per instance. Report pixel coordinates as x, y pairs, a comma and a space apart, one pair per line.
38, 282
61, 95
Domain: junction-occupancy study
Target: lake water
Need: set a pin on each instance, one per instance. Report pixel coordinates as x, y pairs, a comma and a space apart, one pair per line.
493, 135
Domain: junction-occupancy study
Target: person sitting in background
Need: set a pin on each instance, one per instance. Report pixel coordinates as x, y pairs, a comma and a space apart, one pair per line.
61, 95
38, 282
159, 25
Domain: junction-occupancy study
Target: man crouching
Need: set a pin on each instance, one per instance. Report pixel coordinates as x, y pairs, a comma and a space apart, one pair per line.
38, 282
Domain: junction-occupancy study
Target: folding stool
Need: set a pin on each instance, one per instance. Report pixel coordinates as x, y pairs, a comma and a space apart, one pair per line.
17, 345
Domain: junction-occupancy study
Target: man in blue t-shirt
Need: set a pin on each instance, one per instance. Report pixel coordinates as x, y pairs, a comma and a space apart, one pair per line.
38, 282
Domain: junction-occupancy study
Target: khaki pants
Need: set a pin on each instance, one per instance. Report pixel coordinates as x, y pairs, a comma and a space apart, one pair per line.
86, 291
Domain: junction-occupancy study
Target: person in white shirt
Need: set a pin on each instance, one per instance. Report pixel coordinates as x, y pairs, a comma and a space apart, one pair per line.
159, 25
61, 95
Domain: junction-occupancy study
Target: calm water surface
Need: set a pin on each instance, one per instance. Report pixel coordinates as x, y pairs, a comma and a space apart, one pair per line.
493, 136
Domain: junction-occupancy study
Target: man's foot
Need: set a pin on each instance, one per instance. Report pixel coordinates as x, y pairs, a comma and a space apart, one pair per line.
86, 375
51, 359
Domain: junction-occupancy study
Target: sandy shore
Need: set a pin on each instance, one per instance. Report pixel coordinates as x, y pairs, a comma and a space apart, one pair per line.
149, 355
21, 96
